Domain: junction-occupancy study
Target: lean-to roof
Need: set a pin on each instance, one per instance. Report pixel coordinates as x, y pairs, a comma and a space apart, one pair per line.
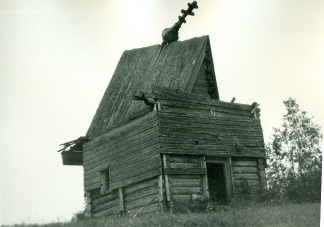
176, 66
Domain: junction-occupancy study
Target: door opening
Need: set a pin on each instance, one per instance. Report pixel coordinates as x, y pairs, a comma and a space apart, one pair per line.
216, 182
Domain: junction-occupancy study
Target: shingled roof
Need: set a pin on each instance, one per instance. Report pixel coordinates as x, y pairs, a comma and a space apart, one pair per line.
177, 66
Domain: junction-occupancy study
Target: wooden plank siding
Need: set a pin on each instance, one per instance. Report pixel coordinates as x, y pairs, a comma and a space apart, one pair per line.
200, 132
130, 152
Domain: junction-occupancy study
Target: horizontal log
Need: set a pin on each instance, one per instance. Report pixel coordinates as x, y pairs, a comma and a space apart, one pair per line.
184, 165
185, 190
145, 149
200, 139
147, 161
122, 143
137, 178
182, 198
94, 182
174, 94
92, 185
95, 194
105, 206
211, 123
191, 177
212, 147
206, 113
208, 116
245, 170
142, 194
196, 106
214, 132
119, 141
244, 163
142, 202
140, 185
146, 153
123, 130
115, 177
184, 159
245, 176
252, 183
149, 209
185, 182
215, 151
185, 171
149, 148
108, 212
104, 199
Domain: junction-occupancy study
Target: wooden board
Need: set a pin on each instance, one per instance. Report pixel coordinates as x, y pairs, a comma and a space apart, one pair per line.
135, 146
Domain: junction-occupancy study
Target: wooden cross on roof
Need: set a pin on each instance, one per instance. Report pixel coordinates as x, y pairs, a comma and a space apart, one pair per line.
170, 35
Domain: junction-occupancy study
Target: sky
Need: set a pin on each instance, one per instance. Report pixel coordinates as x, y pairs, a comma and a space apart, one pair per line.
57, 58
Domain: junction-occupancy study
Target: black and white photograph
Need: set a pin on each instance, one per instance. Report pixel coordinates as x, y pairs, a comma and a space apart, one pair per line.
161, 113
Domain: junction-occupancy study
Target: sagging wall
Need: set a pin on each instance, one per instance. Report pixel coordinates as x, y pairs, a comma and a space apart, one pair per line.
103, 204
127, 155
134, 197
145, 193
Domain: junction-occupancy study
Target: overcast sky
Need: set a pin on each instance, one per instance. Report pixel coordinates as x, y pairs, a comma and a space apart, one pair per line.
57, 58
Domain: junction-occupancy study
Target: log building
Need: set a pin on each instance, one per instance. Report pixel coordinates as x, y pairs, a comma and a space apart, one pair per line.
161, 136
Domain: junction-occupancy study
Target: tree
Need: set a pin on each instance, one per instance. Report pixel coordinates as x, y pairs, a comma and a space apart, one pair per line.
295, 156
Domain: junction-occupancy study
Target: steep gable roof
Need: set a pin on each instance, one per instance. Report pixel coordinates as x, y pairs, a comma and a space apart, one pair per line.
177, 66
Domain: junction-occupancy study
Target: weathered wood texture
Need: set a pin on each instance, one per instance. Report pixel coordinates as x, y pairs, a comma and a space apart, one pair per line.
185, 185
200, 132
104, 204
130, 152
201, 85
248, 170
177, 67
137, 195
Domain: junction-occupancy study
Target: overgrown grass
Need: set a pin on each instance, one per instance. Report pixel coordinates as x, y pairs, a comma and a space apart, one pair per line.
297, 215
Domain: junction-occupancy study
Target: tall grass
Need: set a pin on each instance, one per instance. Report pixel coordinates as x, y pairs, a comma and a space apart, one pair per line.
296, 215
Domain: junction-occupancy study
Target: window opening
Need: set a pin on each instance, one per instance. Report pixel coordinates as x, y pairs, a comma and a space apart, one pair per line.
104, 181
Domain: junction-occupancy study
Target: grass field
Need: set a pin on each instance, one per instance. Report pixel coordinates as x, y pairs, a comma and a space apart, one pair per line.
296, 215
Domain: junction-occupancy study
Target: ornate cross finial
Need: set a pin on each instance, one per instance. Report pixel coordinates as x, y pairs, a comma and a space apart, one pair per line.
170, 35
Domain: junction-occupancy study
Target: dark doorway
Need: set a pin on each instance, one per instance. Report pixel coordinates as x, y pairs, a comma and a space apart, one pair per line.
216, 182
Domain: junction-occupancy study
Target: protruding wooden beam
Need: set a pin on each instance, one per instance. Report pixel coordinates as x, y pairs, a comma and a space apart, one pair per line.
88, 205
121, 201
205, 180
255, 110
166, 179
161, 207
147, 98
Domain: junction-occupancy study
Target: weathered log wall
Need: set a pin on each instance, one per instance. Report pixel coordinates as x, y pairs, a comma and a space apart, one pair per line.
211, 133
248, 175
130, 152
184, 174
138, 195
104, 204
